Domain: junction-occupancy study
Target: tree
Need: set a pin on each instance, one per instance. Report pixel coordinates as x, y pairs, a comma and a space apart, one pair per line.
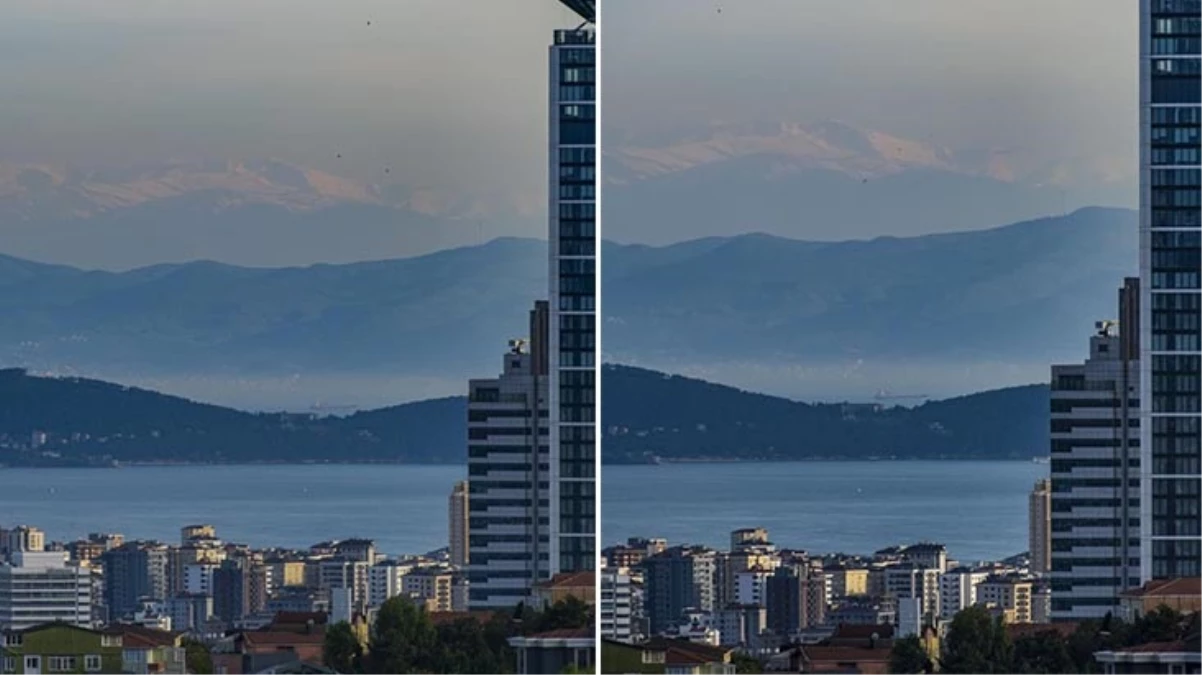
571, 612
403, 639
196, 657
463, 647
342, 651
1044, 652
976, 643
909, 656
745, 663
1162, 624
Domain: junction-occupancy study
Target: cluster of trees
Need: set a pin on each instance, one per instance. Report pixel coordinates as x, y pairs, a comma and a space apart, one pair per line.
976, 642
404, 639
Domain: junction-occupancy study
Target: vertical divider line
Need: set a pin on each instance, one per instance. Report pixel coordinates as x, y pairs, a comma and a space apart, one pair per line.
598, 314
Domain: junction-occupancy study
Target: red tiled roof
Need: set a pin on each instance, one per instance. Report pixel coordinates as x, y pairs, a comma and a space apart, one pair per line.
570, 580
1061, 628
844, 654
1191, 586
301, 617
282, 637
855, 631
483, 616
684, 652
143, 637
565, 633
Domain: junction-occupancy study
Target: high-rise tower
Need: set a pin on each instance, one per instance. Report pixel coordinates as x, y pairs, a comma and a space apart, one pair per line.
1039, 526
1171, 299
457, 526
573, 327
1095, 470
509, 460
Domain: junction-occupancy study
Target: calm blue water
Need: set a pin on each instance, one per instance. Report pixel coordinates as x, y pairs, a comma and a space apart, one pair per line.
978, 509
404, 508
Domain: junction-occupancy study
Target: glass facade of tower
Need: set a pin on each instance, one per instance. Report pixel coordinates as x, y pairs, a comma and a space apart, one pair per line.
1170, 271
573, 247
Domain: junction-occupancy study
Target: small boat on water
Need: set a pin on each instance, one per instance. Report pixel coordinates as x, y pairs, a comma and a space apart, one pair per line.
1041, 460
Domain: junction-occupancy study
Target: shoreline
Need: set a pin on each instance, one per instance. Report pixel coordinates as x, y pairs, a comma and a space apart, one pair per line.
137, 465
661, 462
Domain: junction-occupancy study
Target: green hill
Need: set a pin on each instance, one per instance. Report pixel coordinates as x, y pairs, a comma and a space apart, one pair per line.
88, 422
648, 413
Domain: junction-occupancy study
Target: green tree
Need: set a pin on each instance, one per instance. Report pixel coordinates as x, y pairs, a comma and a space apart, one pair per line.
1162, 624
976, 643
1045, 652
745, 663
909, 656
571, 612
463, 647
342, 651
196, 657
403, 639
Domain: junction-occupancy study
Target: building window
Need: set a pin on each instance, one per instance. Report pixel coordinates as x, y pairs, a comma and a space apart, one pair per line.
110, 640
61, 664
91, 663
12, 640
653, 657
8, 664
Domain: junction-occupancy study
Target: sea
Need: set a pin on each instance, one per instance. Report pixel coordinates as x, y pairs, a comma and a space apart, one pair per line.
977, 509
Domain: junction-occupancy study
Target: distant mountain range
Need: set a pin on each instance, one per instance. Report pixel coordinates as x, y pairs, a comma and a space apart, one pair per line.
818, 180
256, 213
75, 421
943, 314
447, 314
937, 314
651, 416
831, 180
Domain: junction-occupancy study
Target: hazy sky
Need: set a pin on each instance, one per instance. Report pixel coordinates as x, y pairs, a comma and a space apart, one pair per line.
1058, 77
448, 94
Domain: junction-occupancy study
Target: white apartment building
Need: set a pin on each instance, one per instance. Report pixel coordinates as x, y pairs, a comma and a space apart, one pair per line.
350, 574
751, 587
198, 578
39, 587
1009, 593
21, 538
385, 580
958, 590
911, 581
432, 585
616, 612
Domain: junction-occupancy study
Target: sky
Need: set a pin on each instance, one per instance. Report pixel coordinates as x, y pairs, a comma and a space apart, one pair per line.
973, 73
1050, 82
448, 95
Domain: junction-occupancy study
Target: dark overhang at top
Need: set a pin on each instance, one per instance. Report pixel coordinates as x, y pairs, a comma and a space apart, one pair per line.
585, 9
